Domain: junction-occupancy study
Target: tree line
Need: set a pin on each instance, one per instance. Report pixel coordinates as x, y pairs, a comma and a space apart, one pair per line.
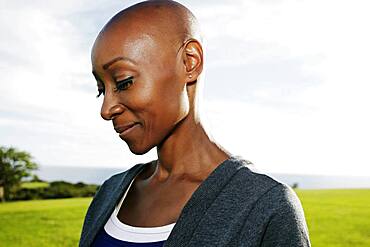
16, 166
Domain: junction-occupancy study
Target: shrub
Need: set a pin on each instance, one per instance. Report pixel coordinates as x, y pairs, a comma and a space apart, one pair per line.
56, 189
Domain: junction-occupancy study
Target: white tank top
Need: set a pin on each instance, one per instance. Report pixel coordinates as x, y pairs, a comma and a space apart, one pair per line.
119, 230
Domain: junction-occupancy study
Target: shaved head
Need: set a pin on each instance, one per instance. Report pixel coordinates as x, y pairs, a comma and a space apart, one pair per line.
168, 22
147, 61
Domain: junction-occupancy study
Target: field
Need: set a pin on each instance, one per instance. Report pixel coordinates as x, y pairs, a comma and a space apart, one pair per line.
336, 218
33, 185
42, 223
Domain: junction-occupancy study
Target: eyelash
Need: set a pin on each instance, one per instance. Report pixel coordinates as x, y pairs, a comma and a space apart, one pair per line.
100, 92
124, 84
121, 85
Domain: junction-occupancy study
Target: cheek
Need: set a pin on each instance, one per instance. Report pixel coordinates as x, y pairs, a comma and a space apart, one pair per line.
184, 104
165, 111
146, 104
159, 103
142, 98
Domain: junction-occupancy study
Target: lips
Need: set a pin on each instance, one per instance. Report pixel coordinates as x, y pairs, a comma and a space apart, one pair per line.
121, 128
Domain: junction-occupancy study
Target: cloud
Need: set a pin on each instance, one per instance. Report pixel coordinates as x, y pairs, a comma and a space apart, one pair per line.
297, 70
286, 83
48, 103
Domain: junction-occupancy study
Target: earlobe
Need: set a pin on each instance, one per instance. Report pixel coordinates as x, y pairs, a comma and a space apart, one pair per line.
193, 59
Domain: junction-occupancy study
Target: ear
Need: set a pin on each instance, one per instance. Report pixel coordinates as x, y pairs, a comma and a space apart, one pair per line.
193, 59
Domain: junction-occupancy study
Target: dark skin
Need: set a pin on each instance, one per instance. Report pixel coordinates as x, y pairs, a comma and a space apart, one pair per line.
147, 61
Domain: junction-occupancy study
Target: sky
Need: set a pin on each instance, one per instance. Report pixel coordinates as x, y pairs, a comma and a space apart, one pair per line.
286, 83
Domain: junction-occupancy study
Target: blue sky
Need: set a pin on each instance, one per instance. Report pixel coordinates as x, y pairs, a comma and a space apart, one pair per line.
286, 83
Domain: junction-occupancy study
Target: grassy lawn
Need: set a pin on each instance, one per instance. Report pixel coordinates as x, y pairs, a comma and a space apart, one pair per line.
42, 222
34, 185
336, 218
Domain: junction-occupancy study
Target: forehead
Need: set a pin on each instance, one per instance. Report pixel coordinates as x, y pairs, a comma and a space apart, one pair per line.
132, 40
112, 43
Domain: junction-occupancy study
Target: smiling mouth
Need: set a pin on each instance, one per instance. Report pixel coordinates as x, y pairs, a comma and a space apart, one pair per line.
124, 129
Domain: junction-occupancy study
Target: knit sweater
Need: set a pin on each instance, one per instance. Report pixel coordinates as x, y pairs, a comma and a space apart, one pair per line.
233, 206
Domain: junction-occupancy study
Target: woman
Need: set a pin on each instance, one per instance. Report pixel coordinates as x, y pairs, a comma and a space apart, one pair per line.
147, 61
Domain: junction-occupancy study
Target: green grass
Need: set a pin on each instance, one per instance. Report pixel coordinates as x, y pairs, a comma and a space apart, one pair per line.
336, 218
42, 222
34, 185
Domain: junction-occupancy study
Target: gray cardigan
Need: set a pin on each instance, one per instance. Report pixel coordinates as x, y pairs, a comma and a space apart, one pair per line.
234, 206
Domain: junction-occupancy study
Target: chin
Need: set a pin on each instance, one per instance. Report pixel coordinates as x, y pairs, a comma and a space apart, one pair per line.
139, 150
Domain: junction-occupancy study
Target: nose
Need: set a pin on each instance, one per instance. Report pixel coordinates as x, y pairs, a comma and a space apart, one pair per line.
110, 109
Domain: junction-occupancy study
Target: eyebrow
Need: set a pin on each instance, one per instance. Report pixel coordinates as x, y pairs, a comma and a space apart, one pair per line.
114, 60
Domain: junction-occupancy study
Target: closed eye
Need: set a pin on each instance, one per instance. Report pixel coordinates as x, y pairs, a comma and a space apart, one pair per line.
120, 86
124, 84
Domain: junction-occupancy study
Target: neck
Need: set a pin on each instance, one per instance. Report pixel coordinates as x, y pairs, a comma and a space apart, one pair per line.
188, 153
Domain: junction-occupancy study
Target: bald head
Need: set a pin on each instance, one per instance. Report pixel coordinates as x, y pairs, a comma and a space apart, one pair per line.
147, 61
166, 21
151, 31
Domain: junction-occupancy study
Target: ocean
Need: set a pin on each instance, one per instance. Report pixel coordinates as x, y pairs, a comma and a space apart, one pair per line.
93, 175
